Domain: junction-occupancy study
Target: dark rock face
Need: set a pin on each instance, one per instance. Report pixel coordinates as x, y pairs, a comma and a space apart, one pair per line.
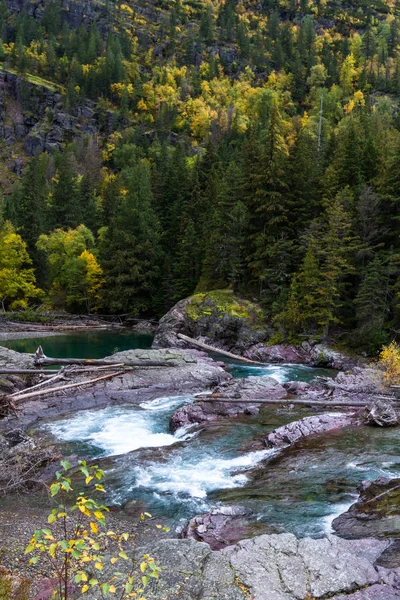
218, 318
221, 527
383, 414
251, 388
35, 127
376, 513
273, 567
21, 459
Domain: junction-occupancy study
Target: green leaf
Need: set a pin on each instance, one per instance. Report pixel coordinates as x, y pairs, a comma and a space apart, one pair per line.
51, 519
65, 464
145, 580
123, 555
54, 489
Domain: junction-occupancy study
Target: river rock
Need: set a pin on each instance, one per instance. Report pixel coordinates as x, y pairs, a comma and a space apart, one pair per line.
248, 389
304, 428
376, 512
219, 318
270, 567
221, 526
382, 413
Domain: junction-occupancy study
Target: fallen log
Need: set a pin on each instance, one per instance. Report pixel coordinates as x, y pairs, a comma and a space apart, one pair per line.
304, 402
42, 360
209, 348
62, 388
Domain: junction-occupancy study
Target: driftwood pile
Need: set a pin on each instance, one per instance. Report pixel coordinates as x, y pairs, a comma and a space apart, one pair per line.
68, 368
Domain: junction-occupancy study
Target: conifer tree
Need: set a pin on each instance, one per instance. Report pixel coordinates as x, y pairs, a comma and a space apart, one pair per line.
131, 255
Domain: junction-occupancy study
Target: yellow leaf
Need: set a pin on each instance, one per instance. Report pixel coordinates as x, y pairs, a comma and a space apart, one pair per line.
114, 560
98, 566
94, 527
143, 566
112, 589
85, 588
98, 514
84, 576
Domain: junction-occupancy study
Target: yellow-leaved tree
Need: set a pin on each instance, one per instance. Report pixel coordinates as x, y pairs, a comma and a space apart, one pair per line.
17, 278
76, 276
389, 360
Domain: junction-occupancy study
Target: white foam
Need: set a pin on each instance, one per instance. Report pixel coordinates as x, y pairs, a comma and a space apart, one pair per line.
116, 430
337, 509
197, 478
167, 403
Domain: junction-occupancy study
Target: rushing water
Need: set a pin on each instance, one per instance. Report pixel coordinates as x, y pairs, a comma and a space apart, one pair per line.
180, 475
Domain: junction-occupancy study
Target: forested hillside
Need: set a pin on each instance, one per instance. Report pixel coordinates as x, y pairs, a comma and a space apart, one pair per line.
151, 149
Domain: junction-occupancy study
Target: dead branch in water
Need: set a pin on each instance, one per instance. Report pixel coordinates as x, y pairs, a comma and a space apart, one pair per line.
54, 390
304, 402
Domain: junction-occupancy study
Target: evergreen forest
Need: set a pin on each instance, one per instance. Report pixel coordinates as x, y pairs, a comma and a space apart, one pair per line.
251, 145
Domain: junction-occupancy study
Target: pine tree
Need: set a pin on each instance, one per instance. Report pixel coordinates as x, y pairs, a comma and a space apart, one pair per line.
65, 209
131, 255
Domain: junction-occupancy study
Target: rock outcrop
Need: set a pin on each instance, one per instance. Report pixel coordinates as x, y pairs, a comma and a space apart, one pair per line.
39, 117
376, 512
273, 567
206, 411
219, 318
190, 371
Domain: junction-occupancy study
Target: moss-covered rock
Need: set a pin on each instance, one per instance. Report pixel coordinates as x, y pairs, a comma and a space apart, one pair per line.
219, 316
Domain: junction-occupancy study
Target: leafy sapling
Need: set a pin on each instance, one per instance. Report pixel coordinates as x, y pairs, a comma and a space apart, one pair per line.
80, 550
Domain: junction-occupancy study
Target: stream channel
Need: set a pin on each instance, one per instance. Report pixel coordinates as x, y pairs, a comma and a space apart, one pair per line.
179, 476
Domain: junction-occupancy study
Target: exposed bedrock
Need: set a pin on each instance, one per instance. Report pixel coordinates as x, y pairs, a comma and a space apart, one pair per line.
273, 567
189, 371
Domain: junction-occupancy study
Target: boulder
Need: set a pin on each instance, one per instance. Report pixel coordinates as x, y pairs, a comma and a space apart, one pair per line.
304, 428
376, 512
219, 318
221, 526
279, 353
382, 413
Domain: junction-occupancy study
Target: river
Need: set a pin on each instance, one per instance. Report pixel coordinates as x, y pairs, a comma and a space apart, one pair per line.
181, 475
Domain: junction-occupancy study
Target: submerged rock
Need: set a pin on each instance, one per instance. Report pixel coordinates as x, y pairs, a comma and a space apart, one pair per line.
376, 512
221, 526
219, 317
382, 413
